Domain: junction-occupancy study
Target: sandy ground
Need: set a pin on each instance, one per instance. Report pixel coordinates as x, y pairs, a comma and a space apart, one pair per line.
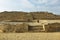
29, 36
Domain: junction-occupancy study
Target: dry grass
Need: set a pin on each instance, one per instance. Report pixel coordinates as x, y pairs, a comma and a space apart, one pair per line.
29, 36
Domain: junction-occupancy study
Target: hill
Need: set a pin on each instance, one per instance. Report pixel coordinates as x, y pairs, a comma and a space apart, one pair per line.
24, 16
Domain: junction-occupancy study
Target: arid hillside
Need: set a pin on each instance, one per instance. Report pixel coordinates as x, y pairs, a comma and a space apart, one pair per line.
45, 16
24, 16
10, 22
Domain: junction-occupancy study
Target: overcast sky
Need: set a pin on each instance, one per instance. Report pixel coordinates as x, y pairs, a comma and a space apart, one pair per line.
30, 5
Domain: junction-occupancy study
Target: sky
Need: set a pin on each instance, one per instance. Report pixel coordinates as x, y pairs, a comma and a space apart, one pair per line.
30, 5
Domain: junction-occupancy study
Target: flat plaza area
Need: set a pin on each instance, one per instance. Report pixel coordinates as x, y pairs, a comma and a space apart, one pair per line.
30, 36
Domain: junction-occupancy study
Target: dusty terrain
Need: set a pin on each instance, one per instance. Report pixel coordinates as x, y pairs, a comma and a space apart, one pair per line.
29, 36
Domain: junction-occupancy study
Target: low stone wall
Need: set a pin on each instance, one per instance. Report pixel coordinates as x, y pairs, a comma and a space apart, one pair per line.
7, 28
54, 27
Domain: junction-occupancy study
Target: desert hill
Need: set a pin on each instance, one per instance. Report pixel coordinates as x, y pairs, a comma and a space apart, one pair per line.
24, 16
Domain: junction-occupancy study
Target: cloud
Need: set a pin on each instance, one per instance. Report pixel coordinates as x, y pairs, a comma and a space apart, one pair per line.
38, 1
45, 2
30, 5
52, 2
25, 3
